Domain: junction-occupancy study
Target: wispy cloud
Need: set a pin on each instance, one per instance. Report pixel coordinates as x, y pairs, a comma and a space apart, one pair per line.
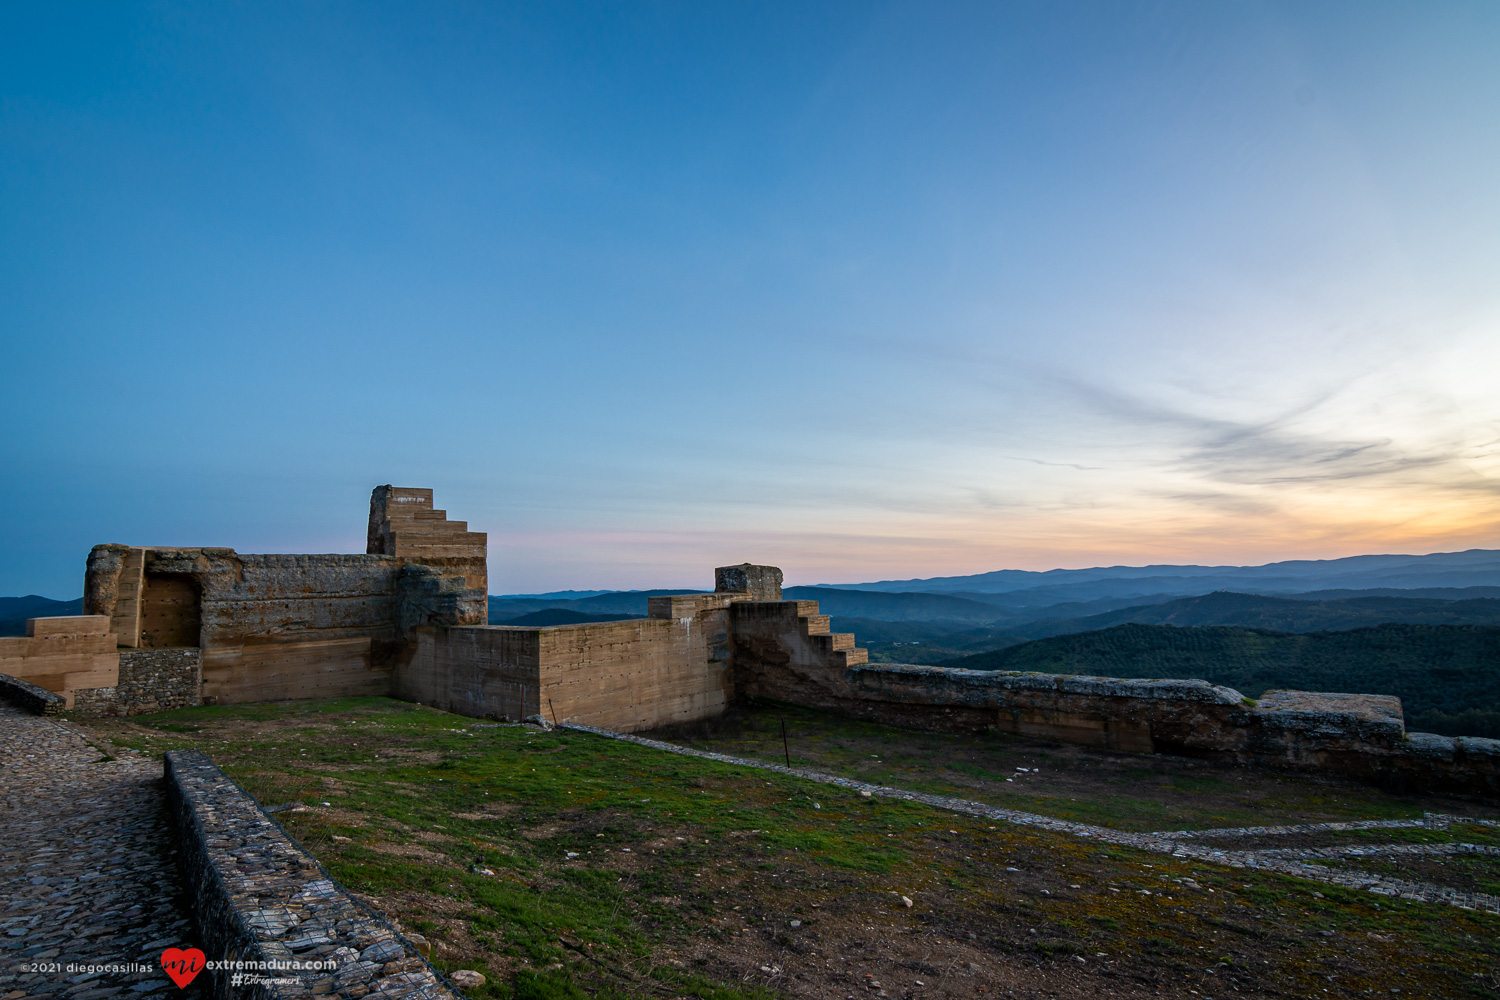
1057, 465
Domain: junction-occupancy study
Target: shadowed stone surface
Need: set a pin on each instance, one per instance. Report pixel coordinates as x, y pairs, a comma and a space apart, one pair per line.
261, 899
88, 874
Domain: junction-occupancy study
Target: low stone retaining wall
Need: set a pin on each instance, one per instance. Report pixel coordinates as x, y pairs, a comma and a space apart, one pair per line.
1358, 736
30, 698
260, 899
151, 680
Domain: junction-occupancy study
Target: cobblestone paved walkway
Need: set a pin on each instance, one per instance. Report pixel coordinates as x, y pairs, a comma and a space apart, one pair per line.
88, 873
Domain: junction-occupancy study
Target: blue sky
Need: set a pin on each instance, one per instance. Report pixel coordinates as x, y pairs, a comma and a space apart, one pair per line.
862, 290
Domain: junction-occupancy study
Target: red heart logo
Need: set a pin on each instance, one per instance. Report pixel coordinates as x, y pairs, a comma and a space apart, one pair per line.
183, 964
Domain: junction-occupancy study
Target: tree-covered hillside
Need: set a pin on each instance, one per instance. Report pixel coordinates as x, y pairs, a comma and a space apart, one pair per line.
1440, 672
1281, 614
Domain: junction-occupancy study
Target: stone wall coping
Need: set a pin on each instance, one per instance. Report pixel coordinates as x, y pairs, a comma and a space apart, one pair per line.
688, 605
1365, 707
1449, 748
259, 897
67, 626
1156, 689
34, 699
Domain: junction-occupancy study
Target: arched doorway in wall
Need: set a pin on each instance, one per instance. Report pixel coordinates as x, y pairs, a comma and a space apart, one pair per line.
171, 611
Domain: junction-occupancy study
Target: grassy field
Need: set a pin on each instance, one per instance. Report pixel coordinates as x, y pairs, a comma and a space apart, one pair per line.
566, 865
1118, 790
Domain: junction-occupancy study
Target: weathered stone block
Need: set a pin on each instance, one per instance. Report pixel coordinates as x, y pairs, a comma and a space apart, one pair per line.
760, 583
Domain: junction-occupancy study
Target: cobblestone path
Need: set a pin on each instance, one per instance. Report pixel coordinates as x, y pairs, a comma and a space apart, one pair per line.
88, 873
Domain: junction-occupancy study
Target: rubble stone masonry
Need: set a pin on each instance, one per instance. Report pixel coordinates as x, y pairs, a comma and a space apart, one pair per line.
151, 680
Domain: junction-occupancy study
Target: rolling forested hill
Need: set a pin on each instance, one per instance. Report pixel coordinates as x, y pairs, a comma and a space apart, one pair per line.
15, 610
1281, 614
1440, 672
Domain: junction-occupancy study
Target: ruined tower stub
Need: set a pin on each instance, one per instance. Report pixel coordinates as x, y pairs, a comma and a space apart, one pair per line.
403, 524
762, 583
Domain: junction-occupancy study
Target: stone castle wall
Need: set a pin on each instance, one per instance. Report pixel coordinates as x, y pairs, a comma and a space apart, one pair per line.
274, 627
1353, 735
628, 675
63, 655
151, 680
407, 618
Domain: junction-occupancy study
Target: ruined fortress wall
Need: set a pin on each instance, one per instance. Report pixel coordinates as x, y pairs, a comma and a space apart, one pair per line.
63, 655
275, 627
1357, 736
626, 675
271, 627
482, 671
643, 673
404, 525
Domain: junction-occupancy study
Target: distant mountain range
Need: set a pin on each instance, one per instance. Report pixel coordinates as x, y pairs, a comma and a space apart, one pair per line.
611, 605
1023, 588
1279, 613
561, 616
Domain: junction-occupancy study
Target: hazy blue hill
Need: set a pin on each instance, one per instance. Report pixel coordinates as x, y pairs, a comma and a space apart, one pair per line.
1448, 669
1279, 613
630, 602
899, 607
1021, 604
15, 610
562, 616
862, 604
612, 604
1432, 593
566, 595
920, 642
1475, 567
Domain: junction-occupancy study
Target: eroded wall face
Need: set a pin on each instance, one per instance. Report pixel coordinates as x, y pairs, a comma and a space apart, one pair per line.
404, 524
171, 611
482, 671
279, 627
271, 627
626, 676
640, 674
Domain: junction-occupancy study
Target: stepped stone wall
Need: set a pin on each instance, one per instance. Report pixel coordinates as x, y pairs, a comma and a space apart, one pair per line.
63, 655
